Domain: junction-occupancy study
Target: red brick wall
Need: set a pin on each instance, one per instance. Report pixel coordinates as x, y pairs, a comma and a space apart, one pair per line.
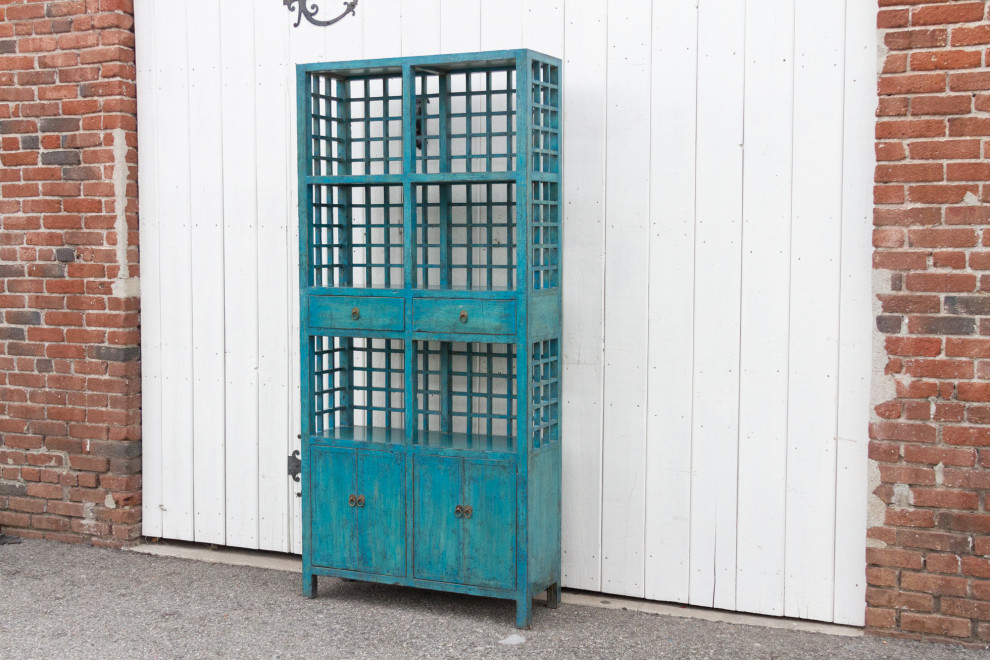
69, 358
929, 557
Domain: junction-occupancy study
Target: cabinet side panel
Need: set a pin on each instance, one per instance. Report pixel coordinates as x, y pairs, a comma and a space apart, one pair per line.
544, 517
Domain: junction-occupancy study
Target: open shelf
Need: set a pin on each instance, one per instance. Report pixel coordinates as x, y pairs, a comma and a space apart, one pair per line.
465, 120
356, 236
465, 236
355, 124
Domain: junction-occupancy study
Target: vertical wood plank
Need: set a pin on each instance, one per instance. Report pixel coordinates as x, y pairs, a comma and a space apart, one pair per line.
814, 327
502, 25
671, 311
241, 311
460, 26
765, 306
420, 27
176, 274
627, 211
306, 44
543, 26
347, 42
273, 82
206, 215
151, 322
718, 234
855, 312
383, 29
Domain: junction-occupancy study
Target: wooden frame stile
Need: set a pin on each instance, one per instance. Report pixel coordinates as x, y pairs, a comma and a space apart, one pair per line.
523, 284
304, 133
417, 313
408, 235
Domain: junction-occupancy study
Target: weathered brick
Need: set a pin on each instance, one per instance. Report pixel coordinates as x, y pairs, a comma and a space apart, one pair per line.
57, 255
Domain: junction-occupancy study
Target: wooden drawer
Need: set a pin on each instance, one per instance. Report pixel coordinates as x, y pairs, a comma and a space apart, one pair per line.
359, 313
473, 317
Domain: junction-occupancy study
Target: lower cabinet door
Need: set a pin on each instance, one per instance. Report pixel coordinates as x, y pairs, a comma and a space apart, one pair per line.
381, 512
334, 520
437, 542
358, 510
490, 532
465, 521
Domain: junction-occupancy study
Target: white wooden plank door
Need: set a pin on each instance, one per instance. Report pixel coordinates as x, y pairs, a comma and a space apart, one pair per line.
717, 164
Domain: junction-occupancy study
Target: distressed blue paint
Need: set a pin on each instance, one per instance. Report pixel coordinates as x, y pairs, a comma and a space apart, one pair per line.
381, 544
489, 488
406, 401
364, 313
438, 532
464, 316
334, 521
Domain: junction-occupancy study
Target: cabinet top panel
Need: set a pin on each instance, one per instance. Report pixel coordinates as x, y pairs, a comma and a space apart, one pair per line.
450, 62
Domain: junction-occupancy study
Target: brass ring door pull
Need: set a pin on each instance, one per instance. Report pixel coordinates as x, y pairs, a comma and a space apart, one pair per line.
360, 500
351, 501
355, 314
458, 511
468, 511
463, 318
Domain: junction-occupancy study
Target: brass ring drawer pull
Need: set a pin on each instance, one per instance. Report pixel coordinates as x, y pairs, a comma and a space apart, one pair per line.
468, 511
355, 314
463, 318
360, 500
458, 510
351, 501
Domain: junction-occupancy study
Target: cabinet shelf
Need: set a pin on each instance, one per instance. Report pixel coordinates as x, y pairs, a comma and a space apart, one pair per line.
430, 229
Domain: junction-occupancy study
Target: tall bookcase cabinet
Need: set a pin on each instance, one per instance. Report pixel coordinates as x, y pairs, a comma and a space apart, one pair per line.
430, 221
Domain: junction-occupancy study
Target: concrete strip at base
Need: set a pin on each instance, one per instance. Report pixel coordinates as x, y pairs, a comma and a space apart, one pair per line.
292, 563
221, 555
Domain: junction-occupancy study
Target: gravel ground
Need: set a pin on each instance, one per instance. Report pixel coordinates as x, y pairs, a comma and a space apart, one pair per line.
62, 601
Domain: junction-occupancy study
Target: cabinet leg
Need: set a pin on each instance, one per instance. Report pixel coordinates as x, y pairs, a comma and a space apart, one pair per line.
524, 612
553, 596
309, 586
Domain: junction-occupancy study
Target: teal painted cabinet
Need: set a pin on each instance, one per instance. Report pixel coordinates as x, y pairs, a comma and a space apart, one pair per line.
429, 217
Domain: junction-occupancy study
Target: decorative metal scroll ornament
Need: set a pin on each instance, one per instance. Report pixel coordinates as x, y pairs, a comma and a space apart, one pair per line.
309, 12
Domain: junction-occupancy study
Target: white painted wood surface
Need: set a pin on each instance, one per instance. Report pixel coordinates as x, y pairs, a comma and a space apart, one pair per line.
717, 265
765, 307
206, 210
671, 339
717, 167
